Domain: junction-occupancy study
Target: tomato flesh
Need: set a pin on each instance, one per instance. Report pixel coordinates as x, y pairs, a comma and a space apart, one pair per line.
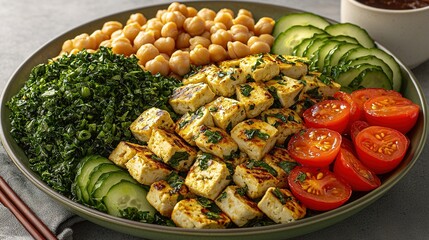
392, 111
356, 127
318, 189
315, 147
381, 149
359, 177
355, 111
362, 95
331, 114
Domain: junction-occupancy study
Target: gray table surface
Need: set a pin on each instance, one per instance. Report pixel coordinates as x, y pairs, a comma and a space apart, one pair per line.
25, 25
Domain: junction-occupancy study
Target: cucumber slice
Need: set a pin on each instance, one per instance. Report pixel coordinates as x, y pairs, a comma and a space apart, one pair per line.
346, 75
125, 195
82, 176
299, 50
106, 181
298, 19
288, 40
97, 172
322, 52
313, 47
389, 60
344, 38
334, 57
351, 30
373, 60
371, 78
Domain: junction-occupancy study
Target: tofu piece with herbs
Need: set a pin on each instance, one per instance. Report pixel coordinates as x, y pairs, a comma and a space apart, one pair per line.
189, 124
255, 177
285, 90
318, 86
287, 122
281, 206
260, 67
146, 168
279, 159
215, 141
199, 75
189, 98
226, 112
237, 206
124, 151
172, 149
199, 213
255, 98
292, 66
163, 195
208, 176
254, 137
223, 80
142, 127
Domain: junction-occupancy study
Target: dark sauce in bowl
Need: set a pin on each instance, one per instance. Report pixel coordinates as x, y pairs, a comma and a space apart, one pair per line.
396, 4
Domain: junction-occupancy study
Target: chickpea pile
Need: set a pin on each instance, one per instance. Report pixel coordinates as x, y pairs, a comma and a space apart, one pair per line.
181, 36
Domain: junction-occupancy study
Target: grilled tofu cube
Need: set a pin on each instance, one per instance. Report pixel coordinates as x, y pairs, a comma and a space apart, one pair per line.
254, 137
223, 81
260, 67
236, 158
172, 150
163, 196
300, 106
286, 90
200, 76
292, 66
124, 151
189, 124
146, 169
216, 141
208, 176
282, 163
226, 112
255, 98
190, 213
318, 87
142, 127
255, 177
189, 98
237, 206
287, 122
281, 206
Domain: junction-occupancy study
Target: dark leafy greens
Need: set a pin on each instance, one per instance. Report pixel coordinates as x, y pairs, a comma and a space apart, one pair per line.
79, 105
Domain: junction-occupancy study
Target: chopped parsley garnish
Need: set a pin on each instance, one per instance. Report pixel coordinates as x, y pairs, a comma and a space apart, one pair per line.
258, 62
177, 157
204, 160
213, 136
222, 196
251, 133
253, 163
279, 195
242, 191
175, 181
287, 166
213, 109
229, 127
212, 211
301, 177
156, 158
246, 89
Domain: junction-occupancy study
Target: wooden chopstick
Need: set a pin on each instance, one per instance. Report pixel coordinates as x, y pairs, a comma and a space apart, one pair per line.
23, 213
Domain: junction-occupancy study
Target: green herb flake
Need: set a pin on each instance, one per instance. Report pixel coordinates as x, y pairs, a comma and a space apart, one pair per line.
301, 177
175, 181
279, 195
178, 157
205, 160
251, 133
259, 61
253, 163
287, 166
242, 191
246, 90
222, 196
213, 136
213, 109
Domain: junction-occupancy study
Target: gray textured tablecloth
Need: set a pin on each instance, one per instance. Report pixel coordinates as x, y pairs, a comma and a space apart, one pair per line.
26, 25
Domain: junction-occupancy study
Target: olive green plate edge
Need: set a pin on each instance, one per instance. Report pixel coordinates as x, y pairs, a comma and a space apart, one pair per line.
411, 89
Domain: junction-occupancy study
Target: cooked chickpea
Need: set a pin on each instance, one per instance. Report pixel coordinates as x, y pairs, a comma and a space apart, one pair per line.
175, 6
116, 34
67, 46
170, 30
155, 24
106, 43
208, 24
143, 37
98, 37
224, 18
221, 37
110, 27
245, 12
200, 55
240, 33
207, 35
83, 41
165, 45
167, 57
182, 40
265, 25
268, 38
246, 21
131, 30
217, 53
194, 26
217, 26
259, 47
74, 51
146, 52
227, 10
238, 50
122, 45
198, 40
176, 17
192, 12
158, 65
180, 62
206, 14
137, 18
159, 13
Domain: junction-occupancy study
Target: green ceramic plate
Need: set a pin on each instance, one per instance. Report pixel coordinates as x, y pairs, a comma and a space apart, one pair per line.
411, 90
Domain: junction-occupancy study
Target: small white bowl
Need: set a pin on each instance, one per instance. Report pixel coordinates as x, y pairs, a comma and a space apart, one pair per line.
403, 32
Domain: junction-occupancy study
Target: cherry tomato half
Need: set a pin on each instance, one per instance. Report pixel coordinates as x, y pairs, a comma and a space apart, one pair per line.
359, 177
355, 111
362, 95
332, 114
381, 149
392, 111
318, 189
315, 147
